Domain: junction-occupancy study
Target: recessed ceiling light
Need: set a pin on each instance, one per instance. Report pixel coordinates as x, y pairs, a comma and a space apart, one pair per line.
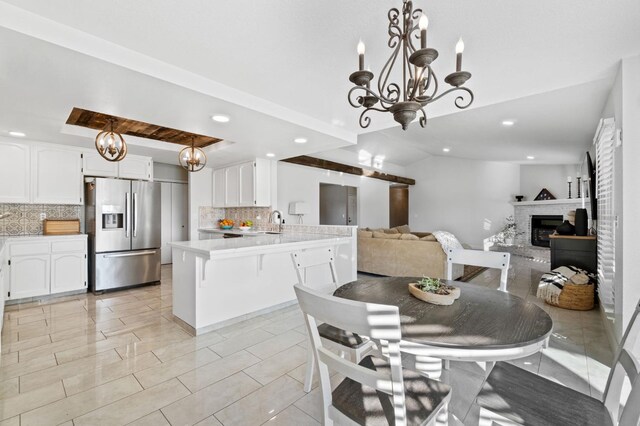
508, 123
446, 149
270, 154
300, 140
530, 157
220, 118
17, 134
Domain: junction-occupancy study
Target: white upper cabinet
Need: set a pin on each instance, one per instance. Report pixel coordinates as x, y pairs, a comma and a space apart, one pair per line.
246, 184
243, 185
219, 187
136, 167
131, 167
232, 181
15, 173
262, 182
94, 165
56, 175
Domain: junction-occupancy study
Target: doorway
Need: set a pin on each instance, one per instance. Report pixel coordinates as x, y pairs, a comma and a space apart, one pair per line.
398, 205
338, 204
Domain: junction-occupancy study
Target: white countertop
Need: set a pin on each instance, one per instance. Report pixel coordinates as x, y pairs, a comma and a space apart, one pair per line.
256, 244
235, 231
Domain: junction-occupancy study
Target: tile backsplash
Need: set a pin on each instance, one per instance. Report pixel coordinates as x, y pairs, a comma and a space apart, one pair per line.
209, 216
24, 219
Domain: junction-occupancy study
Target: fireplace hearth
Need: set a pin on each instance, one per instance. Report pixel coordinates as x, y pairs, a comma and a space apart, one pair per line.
541, 227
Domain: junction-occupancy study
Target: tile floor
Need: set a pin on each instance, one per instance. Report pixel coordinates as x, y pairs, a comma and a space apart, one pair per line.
119, 359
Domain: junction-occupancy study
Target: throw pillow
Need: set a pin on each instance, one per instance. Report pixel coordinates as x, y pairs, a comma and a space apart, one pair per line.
409, 237
391, 231
429, 237
364, 234
404, 229
387, 236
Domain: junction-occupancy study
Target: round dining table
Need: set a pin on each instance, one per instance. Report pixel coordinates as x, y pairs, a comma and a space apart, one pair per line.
483, 324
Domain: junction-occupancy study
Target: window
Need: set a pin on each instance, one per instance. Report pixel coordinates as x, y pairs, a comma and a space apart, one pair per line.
605, 150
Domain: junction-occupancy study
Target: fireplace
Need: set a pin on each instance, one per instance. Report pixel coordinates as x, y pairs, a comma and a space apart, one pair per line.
541, 227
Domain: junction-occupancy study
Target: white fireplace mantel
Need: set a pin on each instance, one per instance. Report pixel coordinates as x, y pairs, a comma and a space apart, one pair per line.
550, 202
523, 211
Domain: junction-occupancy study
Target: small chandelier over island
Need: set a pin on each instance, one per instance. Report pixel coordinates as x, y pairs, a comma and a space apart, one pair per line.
192, 158
419, 83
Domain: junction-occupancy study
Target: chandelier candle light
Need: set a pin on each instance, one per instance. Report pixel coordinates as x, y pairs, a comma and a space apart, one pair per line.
191, 158
110, 145
419, 82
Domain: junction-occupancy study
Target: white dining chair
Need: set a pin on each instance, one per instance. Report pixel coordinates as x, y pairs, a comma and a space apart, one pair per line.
513, 396
487, 259
377, 390
349, 344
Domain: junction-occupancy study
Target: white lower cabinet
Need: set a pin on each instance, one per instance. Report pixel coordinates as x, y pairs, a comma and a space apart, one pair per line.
68, 272
39, 266
29, 276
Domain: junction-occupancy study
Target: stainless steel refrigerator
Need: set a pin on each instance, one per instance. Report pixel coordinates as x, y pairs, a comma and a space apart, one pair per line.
122, 219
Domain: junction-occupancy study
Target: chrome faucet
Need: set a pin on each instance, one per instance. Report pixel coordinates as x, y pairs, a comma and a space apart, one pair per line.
271, 220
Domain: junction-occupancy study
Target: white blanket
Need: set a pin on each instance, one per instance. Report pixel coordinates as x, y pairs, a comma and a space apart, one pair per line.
552, 283
447, 240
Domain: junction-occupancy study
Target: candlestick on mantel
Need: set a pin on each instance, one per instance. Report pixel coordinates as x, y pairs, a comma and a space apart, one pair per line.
569, 183
579, 188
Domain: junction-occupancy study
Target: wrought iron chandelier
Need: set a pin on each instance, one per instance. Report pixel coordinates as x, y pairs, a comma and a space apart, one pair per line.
191, 158
419, 83
110, 145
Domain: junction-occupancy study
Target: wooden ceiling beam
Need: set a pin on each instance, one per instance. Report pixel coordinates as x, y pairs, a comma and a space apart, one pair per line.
125, 126
305, 160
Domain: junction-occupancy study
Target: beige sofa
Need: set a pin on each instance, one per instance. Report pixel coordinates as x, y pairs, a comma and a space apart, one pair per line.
384, 252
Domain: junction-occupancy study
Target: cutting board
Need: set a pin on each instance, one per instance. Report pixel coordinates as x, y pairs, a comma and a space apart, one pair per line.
61, 226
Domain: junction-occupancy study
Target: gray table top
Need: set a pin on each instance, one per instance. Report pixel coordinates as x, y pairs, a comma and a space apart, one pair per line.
481, 318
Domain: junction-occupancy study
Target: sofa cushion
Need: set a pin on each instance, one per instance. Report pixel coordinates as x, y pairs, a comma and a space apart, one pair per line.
391, 231
364, 234
404, 229
429, 237
386, 236
409, 237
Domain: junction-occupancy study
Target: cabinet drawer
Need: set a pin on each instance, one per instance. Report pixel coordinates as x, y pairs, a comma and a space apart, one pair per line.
574, 245
27, 249
69, 246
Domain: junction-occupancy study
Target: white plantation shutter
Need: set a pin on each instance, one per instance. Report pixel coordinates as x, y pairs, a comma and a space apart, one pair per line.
605, 145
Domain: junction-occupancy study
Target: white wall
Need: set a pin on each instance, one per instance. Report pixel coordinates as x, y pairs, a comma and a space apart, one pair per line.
469, 198
200, 195
300, 183
553, 177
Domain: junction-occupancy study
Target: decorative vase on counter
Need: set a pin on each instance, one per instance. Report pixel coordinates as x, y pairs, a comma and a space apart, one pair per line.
566, 228
582, 220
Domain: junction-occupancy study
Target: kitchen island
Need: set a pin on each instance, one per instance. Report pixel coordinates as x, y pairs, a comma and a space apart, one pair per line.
219, 282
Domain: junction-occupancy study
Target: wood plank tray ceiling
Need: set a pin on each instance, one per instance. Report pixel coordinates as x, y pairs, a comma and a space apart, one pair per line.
99, 121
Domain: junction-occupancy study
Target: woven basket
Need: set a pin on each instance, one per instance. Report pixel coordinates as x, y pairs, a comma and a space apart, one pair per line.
575, 297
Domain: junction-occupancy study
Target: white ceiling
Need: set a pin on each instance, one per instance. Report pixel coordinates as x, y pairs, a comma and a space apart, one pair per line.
288, 62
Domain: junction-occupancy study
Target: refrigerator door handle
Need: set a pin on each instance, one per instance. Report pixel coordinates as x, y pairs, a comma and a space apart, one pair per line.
127, 199
130, 254
135, 214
